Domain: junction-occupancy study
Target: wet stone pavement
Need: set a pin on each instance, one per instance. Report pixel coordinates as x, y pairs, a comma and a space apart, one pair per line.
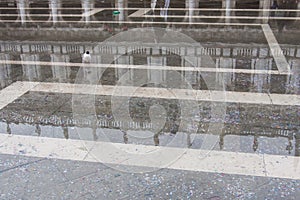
180, 100
242, 82
244, 127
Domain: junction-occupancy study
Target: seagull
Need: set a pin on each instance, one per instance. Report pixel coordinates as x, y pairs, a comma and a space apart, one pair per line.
86, 58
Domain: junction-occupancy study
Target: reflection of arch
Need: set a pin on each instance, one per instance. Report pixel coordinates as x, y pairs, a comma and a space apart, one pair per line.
11, 11
43, 11
105, 15
105, 4
213, 5
244, 130
76, 4
261, 122
247, 4
139, 112
40, 122
287, 5
161, 56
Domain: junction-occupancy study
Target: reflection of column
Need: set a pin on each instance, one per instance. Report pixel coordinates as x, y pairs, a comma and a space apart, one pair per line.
153, 4
188, 140
191, 77
265, 5
289, 147
228, 4
38, 129
156, 60
31, 71
60, 72
164, 10
120, 5
298, 7
191, 5
294, 78
156, 139
95, 136
54, 4
225, 77
221, 139
190, 61
297, 143
123, 60
125, 136
253, 62
255, 143
156, 76
22, 12
66, 132
5, 71
8, 129
261, 80
87, 5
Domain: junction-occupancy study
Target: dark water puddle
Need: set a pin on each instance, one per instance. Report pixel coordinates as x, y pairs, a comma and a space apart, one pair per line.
240, 127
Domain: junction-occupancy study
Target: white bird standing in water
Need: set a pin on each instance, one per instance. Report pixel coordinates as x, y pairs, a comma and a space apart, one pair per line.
86, 58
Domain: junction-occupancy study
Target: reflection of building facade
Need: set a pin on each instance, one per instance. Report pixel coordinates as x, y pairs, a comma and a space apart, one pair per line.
224, 56
54, 11
290, 135
60, 126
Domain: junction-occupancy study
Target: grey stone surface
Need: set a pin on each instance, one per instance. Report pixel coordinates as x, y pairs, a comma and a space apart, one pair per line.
247, 128
270, 129
63, 179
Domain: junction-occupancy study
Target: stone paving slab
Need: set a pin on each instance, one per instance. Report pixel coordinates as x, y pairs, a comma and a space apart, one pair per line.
63, 179
128, 155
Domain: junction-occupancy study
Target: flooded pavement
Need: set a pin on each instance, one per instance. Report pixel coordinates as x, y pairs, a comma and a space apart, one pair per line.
264, 128
206, 92
56, 62
51, 115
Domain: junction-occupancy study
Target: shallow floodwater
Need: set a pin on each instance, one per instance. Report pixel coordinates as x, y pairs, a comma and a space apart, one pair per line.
40, 48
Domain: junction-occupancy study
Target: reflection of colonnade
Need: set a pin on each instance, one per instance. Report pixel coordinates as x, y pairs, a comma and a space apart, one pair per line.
122, 48
281, 133
64, 128
229, 57
54, 11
